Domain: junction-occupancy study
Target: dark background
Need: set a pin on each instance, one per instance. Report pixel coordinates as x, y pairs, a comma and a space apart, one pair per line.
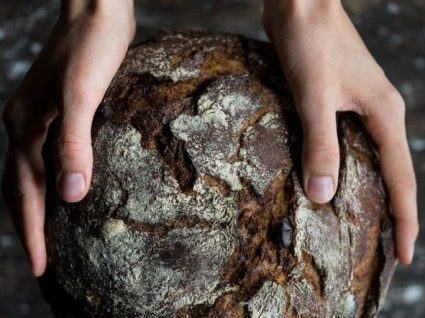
393, 30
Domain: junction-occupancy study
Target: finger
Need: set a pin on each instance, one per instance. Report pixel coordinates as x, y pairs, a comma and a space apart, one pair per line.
88, 74
320, 145
24, 189
74, 157
387, 128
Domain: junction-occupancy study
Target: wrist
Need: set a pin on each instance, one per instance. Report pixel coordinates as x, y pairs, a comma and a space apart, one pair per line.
119, 14
303, 8
282, 14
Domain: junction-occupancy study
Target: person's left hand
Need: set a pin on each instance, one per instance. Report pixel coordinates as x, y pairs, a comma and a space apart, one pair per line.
329, 69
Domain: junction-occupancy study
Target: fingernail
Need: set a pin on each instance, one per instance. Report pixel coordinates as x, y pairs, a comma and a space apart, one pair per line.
410, 254
71, 186
320, 189
36, 272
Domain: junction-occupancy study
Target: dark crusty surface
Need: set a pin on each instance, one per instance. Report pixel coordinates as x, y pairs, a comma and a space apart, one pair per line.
196, 207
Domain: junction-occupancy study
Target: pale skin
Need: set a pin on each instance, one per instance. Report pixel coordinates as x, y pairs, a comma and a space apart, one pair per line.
328, 67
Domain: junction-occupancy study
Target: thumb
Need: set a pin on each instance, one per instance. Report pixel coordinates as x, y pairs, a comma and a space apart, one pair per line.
87, 76
74, 157
320, 149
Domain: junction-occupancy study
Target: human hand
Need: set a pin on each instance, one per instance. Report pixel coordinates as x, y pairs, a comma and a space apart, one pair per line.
68, 81
329, 69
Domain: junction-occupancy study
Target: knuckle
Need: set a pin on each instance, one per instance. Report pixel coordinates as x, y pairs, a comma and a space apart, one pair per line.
410, 223
9, 116
415, 229
70, 145
393, 100
321, 158
19, 193
15, 194
328, 152
322, 148
408, 181
21, 124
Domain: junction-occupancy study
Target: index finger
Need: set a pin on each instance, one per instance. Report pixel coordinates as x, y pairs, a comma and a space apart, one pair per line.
24, 189
386, 125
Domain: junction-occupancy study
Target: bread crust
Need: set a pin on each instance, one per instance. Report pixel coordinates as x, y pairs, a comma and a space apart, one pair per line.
196, 207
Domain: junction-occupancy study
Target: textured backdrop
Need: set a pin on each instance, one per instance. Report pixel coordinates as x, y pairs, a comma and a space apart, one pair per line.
393, 30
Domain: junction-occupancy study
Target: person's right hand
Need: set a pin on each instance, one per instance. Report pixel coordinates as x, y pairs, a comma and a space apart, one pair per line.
68, 80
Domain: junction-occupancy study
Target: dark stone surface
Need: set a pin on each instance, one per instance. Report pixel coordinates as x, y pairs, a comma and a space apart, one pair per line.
393, 30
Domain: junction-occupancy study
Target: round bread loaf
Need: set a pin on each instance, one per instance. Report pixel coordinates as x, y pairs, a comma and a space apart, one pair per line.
196, 208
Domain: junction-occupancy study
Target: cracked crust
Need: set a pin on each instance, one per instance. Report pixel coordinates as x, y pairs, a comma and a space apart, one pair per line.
196, 208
